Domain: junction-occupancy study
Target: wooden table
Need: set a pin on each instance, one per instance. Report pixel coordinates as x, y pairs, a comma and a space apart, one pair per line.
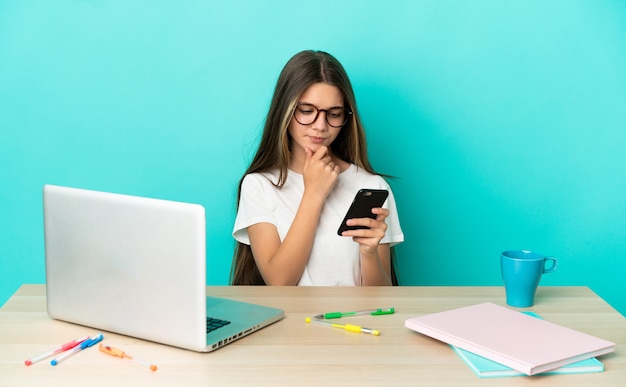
292, 352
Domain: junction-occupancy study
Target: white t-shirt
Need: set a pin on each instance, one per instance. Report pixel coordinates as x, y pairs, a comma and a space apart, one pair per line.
334, 260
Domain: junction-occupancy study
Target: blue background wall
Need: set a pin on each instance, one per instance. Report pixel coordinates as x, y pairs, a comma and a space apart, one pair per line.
503, 121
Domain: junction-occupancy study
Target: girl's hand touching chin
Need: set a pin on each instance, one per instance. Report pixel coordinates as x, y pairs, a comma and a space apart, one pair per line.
319, 172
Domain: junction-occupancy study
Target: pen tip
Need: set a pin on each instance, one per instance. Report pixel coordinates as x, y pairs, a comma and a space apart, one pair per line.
308, 319
28, 362
53, 362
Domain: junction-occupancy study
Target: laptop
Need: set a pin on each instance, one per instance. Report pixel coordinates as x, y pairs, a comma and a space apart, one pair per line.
137, 266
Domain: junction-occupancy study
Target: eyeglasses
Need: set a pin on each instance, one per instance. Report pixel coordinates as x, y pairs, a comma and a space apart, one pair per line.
306, 114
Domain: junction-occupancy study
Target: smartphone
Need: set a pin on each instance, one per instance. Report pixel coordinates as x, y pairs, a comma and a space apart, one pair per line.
362, 205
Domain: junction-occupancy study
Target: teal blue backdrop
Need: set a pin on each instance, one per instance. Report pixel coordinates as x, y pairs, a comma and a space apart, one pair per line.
503, 122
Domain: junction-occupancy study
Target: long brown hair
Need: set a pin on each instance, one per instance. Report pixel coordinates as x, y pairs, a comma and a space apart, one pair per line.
274, 152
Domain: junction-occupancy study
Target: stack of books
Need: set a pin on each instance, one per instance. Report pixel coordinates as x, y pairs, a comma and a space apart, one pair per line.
495, 341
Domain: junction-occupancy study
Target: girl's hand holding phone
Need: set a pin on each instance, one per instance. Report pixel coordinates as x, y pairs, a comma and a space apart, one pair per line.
369, 237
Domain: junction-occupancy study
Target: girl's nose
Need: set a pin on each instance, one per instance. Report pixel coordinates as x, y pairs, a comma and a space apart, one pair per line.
320, 122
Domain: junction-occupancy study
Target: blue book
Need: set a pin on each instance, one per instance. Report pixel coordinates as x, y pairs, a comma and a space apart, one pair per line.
486, 368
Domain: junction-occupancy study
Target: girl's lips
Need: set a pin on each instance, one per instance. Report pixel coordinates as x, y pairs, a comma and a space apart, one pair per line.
317, 140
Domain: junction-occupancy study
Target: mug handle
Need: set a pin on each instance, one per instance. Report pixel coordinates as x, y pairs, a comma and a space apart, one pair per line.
551, 268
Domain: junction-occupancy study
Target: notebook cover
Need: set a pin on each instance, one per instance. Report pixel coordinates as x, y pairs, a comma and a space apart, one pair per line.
524, 343
486, 368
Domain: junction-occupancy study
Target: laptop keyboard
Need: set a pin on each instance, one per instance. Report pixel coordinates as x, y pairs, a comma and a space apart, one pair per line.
215, 323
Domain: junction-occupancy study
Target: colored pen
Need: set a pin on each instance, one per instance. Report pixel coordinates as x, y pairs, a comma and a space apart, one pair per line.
347, 327
62, 348
119, 353
371, 312
85, 344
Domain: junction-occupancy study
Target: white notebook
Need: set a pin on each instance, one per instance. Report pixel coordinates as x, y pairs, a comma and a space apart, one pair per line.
524, 343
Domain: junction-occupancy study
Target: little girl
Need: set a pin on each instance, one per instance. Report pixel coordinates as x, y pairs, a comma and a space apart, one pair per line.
311, 161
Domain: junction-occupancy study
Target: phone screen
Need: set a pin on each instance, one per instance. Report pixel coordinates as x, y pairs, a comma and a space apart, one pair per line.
362, 205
